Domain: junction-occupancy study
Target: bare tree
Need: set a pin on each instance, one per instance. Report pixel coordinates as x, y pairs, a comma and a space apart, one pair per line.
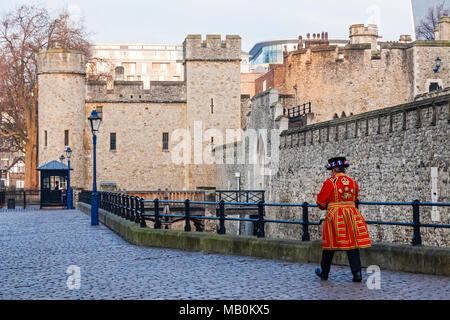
23, 33
425, 29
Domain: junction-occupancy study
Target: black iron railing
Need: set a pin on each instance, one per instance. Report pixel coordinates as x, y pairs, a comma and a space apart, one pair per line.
135, 209
299, 111
20, 198
240, 195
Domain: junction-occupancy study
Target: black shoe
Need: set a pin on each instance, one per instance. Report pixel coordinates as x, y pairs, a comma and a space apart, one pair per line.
321, 275
357, 276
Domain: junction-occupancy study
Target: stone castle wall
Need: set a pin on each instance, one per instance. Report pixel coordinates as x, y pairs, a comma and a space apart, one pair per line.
364, 75
351, 80
392, 152
139, 117
139, 161
134, 92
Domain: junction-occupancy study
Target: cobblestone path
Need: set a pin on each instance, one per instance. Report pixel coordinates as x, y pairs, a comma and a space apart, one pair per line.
37, 248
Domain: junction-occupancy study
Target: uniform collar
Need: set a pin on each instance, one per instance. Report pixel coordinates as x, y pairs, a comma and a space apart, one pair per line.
340, 174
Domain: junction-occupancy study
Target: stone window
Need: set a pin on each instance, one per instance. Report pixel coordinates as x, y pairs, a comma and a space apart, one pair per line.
434, 86
66, 138
112, 141
165, 141
45, 138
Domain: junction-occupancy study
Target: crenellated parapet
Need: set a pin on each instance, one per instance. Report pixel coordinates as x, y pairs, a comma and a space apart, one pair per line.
58, 60
212, 49
134, 92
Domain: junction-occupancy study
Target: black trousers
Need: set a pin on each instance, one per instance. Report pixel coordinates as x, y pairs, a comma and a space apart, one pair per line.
353, 259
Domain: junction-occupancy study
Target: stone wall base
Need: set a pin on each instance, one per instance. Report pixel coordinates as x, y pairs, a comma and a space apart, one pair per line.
395, 257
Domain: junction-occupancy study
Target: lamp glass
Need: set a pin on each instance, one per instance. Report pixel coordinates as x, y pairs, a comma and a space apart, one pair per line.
95, 121
68, 153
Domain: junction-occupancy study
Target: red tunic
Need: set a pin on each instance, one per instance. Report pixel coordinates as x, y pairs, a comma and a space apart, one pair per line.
344, 227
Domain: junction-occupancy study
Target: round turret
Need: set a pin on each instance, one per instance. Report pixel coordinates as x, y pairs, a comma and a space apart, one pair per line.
61, 85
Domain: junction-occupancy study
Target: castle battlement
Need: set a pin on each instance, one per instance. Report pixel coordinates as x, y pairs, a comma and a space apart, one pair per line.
61, 61
442, 30
213, 48
134, 92
359, 34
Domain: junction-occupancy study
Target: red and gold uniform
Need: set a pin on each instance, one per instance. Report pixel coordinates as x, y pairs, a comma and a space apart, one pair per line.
344, 227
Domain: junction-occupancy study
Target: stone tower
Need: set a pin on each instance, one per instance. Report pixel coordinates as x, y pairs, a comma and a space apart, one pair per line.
212, 73
61, 80
360, 34
442, 30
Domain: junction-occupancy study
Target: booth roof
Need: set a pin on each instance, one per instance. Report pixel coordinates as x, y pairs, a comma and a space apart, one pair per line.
54, 165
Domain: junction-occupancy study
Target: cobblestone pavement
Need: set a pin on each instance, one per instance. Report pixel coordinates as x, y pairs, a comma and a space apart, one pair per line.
37, 247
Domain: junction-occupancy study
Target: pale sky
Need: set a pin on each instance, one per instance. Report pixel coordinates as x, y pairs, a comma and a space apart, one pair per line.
169, 21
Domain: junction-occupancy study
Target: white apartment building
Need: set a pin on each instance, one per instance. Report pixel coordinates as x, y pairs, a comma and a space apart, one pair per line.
141, 62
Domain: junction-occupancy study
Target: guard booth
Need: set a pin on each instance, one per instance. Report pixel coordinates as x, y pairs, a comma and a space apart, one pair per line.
54, 184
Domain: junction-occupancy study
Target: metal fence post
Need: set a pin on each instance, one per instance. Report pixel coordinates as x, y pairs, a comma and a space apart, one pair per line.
260, 231
416, 239
132, 215
142, 207
123, 206
135, 209
221, 228
127, 207
114, 200
305, 233
24, 199
118, 204
157, 224
187, 226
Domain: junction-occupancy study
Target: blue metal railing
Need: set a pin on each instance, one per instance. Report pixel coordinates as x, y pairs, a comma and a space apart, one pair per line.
134, 209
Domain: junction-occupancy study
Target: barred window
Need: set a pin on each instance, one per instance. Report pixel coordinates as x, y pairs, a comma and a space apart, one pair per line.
66, 138
165, 141
112, 141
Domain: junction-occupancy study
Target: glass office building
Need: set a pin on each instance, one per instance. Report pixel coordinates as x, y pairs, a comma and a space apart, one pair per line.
270, 51
269, 54
264, 53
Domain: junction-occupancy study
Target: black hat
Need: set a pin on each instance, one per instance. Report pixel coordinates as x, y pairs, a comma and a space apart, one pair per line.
337, 162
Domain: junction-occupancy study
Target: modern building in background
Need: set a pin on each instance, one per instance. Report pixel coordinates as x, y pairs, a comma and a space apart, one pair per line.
141, 62
271, 52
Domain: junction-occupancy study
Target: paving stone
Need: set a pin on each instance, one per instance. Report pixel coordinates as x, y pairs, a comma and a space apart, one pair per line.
39, 246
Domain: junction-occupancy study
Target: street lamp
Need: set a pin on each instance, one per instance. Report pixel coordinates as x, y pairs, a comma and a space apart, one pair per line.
69, 193
95, 121
61, 158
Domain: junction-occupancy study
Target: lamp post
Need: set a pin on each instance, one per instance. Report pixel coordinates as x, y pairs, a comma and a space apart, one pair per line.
69, 193
95, 121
